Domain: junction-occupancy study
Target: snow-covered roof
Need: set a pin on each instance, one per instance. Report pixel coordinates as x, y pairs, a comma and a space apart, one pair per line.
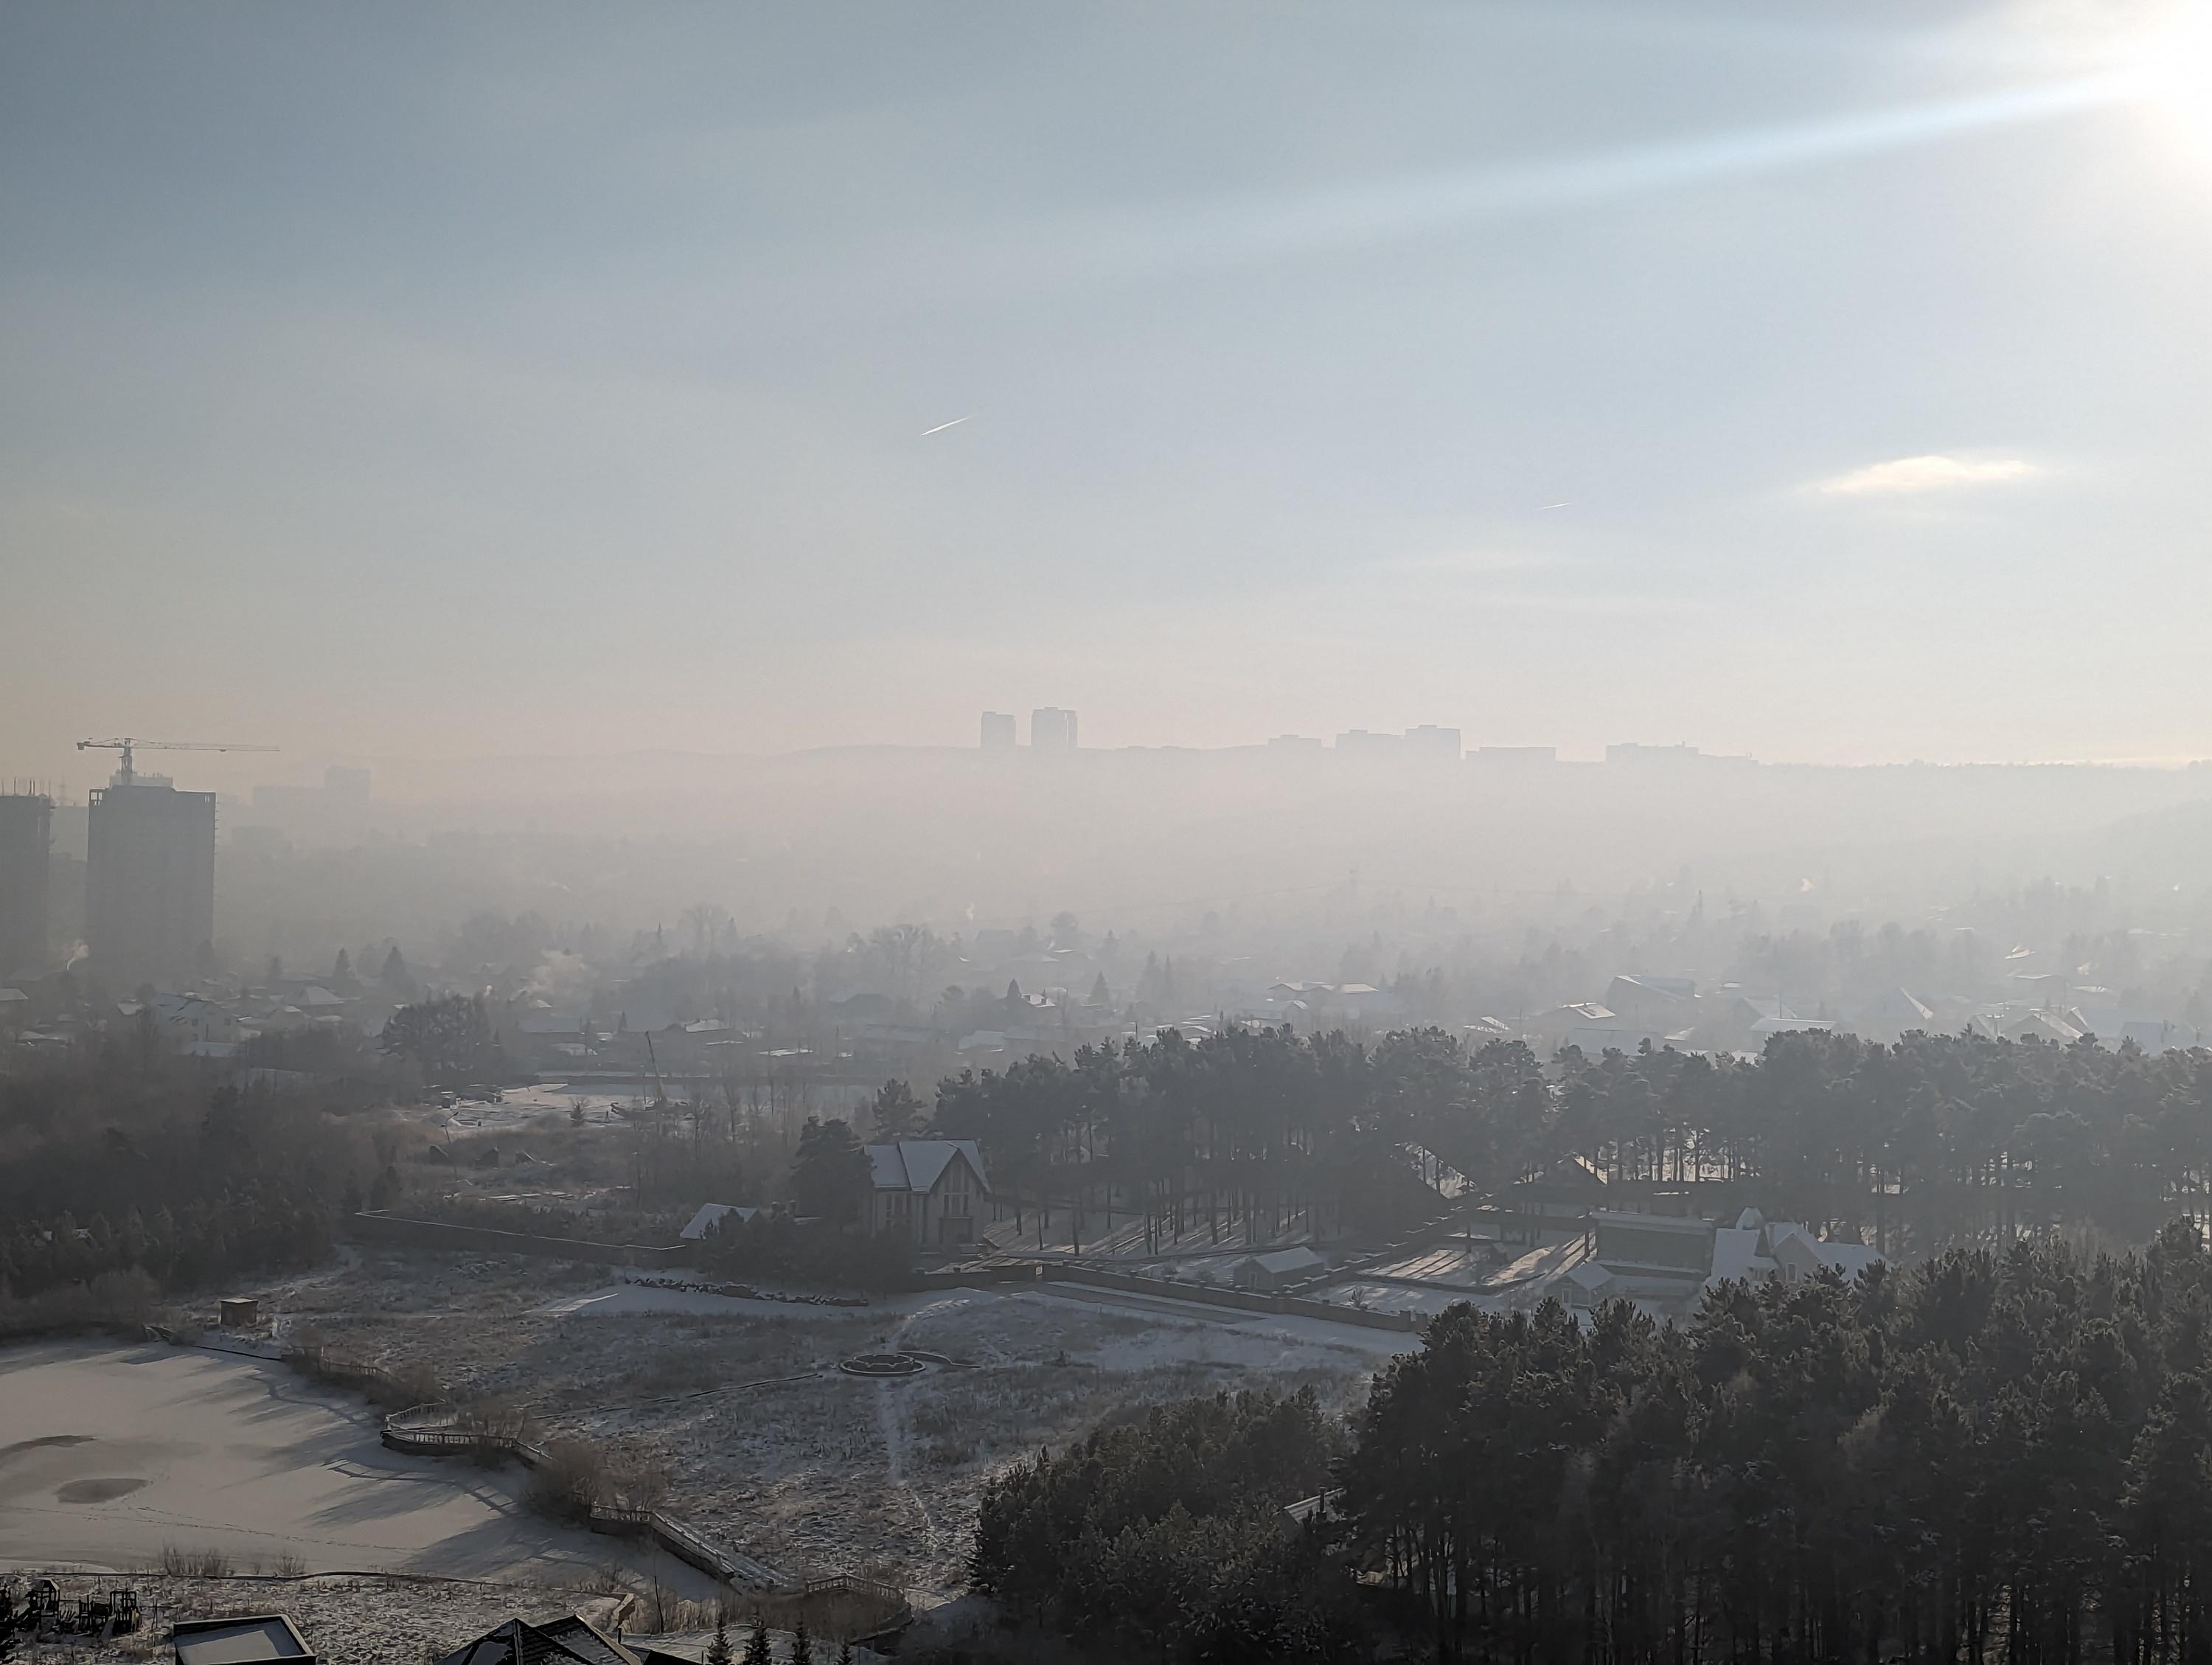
2044, 1026
916, 1164
1591, 1279
1898, 1006
711, 1215
1280, 1261
1736, 1258
1756, 1247
568, 1641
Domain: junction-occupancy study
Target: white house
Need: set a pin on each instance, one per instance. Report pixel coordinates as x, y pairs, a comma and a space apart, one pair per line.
1278, 1269
931, 1191
1756, 1247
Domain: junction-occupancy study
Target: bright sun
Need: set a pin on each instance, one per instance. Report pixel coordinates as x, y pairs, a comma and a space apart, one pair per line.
2176, 64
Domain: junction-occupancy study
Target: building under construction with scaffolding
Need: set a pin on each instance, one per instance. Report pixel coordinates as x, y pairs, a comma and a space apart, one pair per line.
149, 883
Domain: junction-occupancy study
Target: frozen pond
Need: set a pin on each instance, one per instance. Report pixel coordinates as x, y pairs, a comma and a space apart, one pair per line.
109, 1453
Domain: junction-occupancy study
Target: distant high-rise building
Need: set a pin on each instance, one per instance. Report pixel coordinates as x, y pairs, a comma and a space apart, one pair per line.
1675, 758
1433, 743
27, 832
1359, 743
149, 883
998, 730
1645, 756
349, 783
1294, 743
1052, 729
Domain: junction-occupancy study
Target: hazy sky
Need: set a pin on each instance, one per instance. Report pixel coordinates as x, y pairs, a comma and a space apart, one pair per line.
400, 381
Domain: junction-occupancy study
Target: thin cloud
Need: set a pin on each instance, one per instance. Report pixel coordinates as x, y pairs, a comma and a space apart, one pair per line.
1930, 473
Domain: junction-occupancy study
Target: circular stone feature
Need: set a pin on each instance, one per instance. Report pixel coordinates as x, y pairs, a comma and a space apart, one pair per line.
883, 1363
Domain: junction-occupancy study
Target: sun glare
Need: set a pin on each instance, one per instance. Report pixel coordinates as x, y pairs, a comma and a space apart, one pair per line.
2176, 63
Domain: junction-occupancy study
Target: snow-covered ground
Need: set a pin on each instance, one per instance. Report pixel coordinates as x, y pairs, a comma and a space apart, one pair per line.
380, 1621
625, 1299
114, 1453
767, 1445
1452, 1262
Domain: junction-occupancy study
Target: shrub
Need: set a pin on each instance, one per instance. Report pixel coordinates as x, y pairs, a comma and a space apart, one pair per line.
570, 1483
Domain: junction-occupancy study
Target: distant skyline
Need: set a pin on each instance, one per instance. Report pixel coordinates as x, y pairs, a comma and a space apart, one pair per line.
238, 777
1828, 386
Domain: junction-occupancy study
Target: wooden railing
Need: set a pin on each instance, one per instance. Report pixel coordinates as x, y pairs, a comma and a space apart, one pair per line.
434, 1431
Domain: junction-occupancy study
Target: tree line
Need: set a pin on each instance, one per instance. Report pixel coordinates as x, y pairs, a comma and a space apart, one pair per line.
1992, 1457
1998, 1458
263, 1226
1934, 1141
1169, 1533
124, 1164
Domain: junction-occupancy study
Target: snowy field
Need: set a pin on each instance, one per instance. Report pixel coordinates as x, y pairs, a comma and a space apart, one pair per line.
374, 1620
110, 1454
765, 1444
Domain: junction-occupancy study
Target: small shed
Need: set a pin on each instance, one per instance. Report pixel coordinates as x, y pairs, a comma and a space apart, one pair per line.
1276, 1271
266, 1639
1590, 1284
240, 1312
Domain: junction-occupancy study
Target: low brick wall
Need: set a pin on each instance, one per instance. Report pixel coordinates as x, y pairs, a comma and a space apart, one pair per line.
442, 1234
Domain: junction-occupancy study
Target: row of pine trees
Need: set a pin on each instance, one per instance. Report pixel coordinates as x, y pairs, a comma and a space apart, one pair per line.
1934, 1140
2003, 1459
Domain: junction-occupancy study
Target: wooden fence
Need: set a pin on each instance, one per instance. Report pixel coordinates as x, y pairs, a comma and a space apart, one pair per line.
1244, 1300
375, 1227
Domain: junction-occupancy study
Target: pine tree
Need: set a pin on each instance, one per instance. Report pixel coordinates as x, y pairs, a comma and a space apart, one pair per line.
718, 1650
845, 1653
757, 1648
802, 1644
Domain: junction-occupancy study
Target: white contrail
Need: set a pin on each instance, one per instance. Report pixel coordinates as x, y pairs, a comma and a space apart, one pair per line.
1568, 504
942, 426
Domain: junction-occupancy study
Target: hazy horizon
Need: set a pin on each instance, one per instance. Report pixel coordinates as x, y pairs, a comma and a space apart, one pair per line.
1827, 390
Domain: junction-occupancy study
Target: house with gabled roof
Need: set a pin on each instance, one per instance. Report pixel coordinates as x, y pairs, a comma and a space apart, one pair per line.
571, 1639
929, 1191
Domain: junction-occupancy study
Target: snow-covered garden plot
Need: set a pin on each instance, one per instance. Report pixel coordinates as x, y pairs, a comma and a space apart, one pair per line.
1430, 1280
1451, 1261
